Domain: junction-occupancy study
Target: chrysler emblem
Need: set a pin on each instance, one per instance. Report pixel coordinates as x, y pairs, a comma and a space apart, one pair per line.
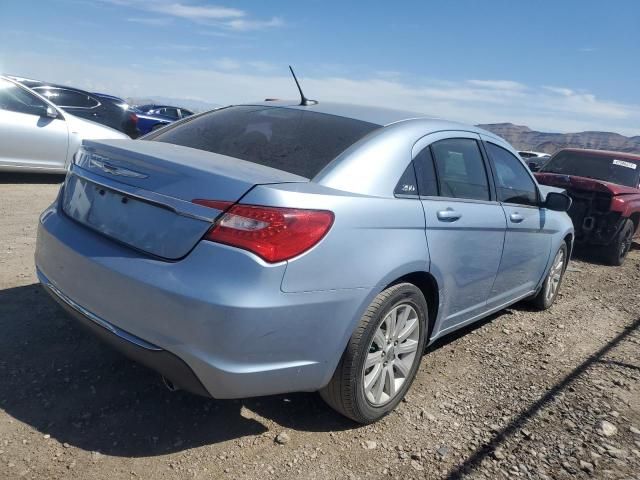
105, 166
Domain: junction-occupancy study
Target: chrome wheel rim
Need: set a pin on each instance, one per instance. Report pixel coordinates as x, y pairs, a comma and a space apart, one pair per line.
555, 275
391, 354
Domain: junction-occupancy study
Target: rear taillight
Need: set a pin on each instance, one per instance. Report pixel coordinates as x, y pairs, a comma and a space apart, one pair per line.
273, 233
134, 118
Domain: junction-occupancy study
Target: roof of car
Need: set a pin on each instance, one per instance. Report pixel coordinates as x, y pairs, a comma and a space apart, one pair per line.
156, 106
365, 113
112, 97
377, 115
606, 153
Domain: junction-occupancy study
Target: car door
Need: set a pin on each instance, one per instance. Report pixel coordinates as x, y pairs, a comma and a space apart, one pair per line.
527, 242
465, 225
28, 138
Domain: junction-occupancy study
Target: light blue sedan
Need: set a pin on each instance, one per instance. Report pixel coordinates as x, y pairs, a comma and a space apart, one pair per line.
270, 248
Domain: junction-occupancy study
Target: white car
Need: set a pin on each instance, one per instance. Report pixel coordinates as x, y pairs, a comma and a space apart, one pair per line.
36, 136
534, 160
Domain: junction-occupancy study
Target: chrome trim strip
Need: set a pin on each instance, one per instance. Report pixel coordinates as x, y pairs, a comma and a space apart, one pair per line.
180, 207
460, 200
94, 318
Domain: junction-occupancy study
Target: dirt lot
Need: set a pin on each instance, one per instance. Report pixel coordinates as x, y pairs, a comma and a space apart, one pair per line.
523, 394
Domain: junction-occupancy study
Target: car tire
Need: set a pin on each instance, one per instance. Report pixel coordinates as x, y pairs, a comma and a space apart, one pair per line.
551, 286
377, 369
615, 253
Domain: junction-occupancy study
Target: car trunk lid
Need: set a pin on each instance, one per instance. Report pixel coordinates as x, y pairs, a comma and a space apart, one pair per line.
140, 193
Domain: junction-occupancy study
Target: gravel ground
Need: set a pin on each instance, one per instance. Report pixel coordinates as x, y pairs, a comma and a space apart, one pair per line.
521, 395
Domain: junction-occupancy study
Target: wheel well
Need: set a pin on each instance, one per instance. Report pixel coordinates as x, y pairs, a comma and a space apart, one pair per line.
429, 288
568, 240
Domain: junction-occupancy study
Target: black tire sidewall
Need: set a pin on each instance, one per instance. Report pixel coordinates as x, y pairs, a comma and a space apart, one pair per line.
406, 294
615, 257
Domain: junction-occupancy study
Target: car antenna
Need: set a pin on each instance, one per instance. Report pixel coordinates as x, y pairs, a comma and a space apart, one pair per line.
303, 100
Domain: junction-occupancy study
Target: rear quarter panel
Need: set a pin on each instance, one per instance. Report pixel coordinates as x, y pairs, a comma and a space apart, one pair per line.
373, 240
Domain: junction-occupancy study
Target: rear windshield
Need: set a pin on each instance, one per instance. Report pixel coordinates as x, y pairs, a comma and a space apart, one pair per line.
599, 167
294, 140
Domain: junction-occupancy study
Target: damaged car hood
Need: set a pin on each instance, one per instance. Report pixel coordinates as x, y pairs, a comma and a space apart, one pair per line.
584, 183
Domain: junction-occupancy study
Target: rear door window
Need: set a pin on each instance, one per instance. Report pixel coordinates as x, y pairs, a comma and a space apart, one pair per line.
297, 141
426, 173
460, 169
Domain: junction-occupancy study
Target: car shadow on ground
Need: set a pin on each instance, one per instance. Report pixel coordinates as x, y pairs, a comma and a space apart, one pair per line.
30, 178
64, 382
595, 256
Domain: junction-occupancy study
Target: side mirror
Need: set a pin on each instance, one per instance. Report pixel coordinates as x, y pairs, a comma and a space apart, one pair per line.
51, 112
534, 167
45, 111
559, 202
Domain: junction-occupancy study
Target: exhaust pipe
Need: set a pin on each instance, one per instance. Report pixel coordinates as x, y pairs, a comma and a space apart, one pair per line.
169, 384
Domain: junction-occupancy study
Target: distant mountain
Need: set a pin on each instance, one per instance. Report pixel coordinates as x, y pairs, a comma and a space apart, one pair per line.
193, 105
523, 138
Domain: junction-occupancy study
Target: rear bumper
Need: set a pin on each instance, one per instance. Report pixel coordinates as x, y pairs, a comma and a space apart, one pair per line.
216, 320
152, 356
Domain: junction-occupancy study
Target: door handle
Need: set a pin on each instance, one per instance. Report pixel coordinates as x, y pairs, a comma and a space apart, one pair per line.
448, 215
516, 217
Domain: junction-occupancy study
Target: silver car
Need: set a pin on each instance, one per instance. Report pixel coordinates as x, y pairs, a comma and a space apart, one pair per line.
270, 248
36, 136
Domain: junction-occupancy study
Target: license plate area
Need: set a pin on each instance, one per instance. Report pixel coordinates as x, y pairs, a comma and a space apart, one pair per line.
144, 225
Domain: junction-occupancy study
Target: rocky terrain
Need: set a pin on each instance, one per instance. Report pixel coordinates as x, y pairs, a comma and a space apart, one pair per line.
524, 394
523, 138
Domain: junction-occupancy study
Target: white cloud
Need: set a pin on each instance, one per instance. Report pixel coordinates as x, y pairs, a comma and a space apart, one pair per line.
177, 47
155, 21
194, 12
498, 85
215, 16
228, 80
261, 66
567, 92
245, 25
226, 64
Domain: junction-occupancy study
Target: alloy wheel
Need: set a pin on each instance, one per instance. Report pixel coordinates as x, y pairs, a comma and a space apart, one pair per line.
391, 354
555, 275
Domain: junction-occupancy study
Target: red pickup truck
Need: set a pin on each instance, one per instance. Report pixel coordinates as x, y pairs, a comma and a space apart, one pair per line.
605, 188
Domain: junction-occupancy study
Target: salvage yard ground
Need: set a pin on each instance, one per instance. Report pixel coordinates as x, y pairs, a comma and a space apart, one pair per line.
522, 395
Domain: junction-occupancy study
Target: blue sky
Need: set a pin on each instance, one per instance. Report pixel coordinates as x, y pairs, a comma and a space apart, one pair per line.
558, 65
